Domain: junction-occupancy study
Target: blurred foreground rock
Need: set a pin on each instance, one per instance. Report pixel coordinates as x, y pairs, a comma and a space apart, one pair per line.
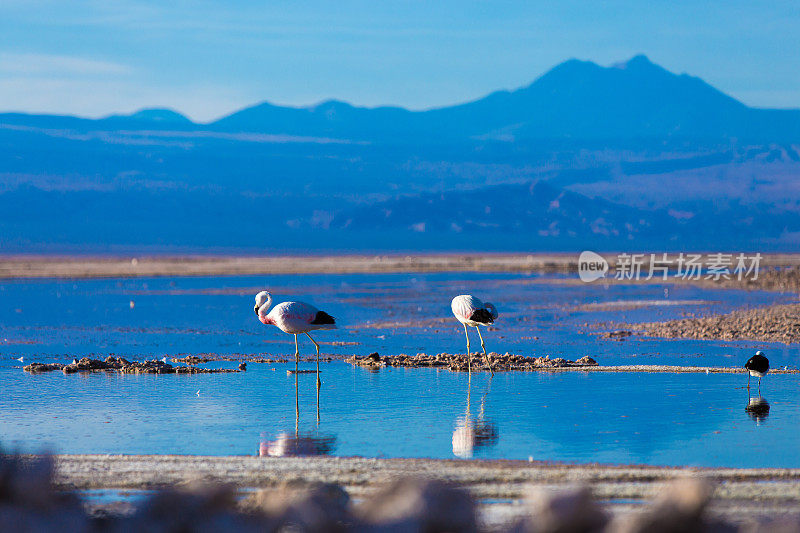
30, 503
680, 507
419, 505
566, 510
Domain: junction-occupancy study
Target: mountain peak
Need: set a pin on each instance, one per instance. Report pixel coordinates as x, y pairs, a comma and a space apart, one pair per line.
159, 115
330, 105
637, 61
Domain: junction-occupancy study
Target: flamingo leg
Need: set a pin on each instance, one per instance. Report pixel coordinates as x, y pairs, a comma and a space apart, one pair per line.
317, 345
469, 391
483, 346
748, 380
469, 357
296, 355
296, 407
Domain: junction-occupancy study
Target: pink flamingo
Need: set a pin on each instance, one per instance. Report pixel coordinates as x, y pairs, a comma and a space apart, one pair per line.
293, 318
471, 311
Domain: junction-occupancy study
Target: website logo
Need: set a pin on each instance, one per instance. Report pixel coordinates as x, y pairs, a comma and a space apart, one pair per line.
591, 266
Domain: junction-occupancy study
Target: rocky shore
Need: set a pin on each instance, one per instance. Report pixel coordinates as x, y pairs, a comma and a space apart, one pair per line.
776, 323
458, 362
121, 365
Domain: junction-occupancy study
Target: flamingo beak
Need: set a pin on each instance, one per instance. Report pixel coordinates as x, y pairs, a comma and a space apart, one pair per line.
255, 308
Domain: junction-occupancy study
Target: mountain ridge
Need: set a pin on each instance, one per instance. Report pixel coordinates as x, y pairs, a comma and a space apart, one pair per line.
574, 100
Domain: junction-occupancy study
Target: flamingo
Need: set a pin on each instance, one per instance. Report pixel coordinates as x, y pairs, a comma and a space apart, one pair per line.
471, 311
757, 366
293, 318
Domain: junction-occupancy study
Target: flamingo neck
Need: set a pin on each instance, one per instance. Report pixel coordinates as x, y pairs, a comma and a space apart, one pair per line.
262, 314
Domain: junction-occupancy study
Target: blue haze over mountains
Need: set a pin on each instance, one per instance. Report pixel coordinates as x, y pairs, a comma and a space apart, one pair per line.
611, 158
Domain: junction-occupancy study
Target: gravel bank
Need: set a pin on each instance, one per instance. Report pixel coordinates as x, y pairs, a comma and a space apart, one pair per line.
776, 323
477, 361
489, 479
739, 494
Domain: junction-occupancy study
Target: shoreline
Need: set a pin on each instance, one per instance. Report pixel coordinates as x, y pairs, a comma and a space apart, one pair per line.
501, 487
494, 477
130, 266
22, 267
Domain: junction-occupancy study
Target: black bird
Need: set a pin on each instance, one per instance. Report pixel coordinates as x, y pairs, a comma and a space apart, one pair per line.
757, 366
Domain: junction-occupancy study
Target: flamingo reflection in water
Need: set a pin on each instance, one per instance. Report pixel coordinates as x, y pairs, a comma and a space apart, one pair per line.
298, 444
474, 432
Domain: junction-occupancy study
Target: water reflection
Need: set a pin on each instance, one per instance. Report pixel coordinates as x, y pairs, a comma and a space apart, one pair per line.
298, 444
474, 432
757, 408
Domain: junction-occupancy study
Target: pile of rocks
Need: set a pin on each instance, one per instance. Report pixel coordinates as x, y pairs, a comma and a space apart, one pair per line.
29, 501
42, 367
242, 358
618, 335
191, 360
122, 365
458, 362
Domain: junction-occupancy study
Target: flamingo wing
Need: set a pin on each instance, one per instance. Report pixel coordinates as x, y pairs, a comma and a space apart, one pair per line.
464, 306
300, 317
472, 310
482, 316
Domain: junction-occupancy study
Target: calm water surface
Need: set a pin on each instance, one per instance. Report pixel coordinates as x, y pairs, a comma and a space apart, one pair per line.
674, 419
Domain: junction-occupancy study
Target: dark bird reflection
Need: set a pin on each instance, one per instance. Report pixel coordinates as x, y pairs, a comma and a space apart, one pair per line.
474, 432
298, 444
757, 408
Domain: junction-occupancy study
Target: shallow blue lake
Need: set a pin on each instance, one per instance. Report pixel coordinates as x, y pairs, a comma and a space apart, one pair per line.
673, 419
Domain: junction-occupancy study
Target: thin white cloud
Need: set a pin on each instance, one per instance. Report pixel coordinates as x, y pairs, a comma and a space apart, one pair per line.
101, 97
50, 65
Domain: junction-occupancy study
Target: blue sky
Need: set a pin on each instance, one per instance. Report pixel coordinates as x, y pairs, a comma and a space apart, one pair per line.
208, 58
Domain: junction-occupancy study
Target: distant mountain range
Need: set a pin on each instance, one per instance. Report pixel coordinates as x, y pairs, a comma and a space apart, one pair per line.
575, 100
619, 156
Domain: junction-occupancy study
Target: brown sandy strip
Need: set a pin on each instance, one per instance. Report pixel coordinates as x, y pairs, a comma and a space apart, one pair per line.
36, 266
98, 267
